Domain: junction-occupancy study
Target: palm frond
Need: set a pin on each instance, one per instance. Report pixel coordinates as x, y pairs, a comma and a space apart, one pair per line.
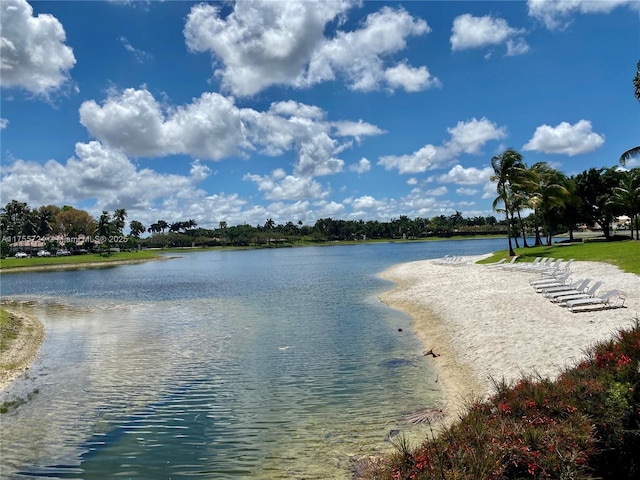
629, 154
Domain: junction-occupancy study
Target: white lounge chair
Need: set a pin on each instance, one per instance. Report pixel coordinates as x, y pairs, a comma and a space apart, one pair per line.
557, 290
495, 264
591, 292
511, 263
605, 300
532, 266
550, 282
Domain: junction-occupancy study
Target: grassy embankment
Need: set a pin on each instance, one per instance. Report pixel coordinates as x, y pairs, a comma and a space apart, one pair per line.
585, 425
624, 254
9, 328
77, 260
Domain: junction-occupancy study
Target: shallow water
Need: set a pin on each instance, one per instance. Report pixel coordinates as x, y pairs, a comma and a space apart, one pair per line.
256, 364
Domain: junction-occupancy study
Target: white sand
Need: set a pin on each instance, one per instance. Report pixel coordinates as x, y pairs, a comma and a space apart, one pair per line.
488, 322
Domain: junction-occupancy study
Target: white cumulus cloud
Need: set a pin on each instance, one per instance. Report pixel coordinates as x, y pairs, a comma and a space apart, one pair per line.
565, 139
409, 78
466, 176
279, 186
33, 54
95, 172
466, 137
362, 166
557, 14
212, 127
476, 32
265, 43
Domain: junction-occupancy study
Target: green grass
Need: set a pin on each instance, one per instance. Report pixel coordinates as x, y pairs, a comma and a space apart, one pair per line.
624, 254
9, 328
76, 259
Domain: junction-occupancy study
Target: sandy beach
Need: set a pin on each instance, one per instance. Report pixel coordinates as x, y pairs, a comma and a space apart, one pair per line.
487, 322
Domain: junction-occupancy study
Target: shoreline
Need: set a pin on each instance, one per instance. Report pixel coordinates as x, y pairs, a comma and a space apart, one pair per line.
18, 358
79, 266
487, 323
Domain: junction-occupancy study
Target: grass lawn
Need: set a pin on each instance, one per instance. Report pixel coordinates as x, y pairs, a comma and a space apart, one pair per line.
624, 254
78, 260
9, 327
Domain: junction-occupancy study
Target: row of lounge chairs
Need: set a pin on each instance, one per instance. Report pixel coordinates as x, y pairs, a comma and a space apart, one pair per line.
578, 294
543, 266
448, 260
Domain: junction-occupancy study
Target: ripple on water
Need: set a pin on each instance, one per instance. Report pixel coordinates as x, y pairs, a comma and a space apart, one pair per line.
265, 385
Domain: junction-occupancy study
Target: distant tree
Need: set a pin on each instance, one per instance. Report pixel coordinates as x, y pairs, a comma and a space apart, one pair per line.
223, 224
73, 223
45, 220
105, 230
119, 220
627, 196
162, 225
595, 189
16, 219
190, 224
136, 228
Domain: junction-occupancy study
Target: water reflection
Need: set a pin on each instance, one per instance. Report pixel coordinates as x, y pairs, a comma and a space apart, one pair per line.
254, 365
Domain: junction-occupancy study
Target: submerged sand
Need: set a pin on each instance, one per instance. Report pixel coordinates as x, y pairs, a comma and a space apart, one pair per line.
488, 323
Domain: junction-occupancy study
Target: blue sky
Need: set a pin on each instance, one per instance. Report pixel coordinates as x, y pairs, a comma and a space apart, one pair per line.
301, 110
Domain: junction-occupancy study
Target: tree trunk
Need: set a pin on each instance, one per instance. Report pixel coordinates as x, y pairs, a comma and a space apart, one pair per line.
506, 214
538, 239
524, 234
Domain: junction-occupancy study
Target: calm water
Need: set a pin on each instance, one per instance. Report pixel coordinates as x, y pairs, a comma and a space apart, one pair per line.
257, 364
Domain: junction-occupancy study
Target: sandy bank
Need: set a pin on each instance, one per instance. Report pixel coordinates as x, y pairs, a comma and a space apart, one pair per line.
488, 322
22, 350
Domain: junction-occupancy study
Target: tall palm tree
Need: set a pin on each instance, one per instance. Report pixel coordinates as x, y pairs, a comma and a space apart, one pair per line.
635, 151
509, 169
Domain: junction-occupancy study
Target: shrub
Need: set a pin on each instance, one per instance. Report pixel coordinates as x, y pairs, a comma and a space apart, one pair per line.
582, 426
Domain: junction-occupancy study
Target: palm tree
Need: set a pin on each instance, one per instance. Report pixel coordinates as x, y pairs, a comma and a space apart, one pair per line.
44, 219
548, 192
509, 170
137, 228
627, 195
118, 219
162, 225
635, 151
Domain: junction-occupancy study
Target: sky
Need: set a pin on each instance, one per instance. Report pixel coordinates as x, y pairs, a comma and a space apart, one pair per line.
299, 110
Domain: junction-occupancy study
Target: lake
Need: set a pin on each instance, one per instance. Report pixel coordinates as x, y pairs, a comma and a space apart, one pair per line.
261, 364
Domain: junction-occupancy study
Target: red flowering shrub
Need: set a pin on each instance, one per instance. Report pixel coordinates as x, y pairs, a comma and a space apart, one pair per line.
584, 425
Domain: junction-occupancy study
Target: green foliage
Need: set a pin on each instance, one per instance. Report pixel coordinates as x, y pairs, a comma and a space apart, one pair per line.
5, 249
583, 426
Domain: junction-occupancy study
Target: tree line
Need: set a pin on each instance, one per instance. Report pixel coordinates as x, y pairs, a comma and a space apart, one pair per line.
536, 202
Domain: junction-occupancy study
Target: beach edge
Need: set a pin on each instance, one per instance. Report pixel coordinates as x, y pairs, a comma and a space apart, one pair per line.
23, 350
